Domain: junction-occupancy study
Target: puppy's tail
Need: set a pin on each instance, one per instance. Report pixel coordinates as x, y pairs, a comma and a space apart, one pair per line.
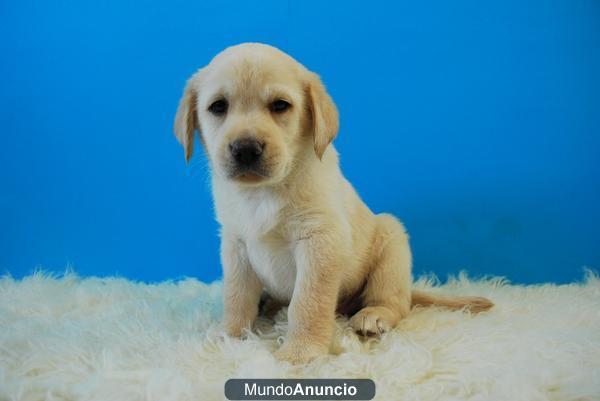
472, 304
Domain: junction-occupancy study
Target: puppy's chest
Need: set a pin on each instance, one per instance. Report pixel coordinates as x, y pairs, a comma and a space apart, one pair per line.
257, 218
274, 263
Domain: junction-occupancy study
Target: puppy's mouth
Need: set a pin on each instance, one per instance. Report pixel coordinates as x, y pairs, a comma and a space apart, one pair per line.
248, 175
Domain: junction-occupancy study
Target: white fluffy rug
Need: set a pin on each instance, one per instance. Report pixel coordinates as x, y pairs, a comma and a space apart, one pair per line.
111, 339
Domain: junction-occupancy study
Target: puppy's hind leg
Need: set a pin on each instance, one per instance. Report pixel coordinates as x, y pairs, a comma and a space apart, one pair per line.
387, 295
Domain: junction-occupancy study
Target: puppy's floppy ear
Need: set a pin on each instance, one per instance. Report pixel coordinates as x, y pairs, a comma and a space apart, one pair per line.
186, 118
324, 121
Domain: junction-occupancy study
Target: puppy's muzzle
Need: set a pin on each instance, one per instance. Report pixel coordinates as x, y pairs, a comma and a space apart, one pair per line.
247, 154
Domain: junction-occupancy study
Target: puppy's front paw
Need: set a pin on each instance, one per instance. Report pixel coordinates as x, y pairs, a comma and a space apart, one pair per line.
236, 327
299, 353
236, 332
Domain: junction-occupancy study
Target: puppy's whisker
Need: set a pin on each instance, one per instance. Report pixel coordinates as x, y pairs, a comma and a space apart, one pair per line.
200, 168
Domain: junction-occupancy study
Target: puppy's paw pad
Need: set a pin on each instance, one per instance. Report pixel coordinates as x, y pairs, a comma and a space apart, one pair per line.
367, 322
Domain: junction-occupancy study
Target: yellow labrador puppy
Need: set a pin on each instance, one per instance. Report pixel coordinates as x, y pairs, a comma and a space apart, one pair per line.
291, 224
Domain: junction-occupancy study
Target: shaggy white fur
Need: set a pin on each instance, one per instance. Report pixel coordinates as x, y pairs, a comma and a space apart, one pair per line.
111, 339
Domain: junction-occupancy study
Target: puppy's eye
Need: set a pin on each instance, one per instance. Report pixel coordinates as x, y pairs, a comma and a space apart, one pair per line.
219, 107
279, 106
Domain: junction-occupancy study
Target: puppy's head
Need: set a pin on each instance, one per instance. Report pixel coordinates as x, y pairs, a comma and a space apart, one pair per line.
257, 110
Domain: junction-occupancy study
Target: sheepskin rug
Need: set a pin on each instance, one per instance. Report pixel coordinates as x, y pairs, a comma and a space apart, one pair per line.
74, 338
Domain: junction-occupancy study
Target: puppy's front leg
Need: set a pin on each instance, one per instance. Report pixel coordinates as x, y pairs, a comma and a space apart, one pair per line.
241, 287
311, 313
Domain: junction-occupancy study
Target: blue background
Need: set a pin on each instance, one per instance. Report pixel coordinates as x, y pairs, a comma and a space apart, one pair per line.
477, 123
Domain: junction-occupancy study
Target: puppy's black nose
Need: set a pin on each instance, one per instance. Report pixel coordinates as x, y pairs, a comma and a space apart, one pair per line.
246, 151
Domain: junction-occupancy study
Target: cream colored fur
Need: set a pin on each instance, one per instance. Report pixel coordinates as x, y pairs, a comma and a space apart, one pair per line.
297, 230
